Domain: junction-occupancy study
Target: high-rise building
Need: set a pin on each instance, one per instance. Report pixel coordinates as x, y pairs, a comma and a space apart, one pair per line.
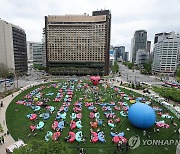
160, 37
120, 52
112, 57
126, 57
141, 57
78, 44
148, 49
43, 49
38, 53
13, 49
35, 50
139, 41
166, 53
30, 53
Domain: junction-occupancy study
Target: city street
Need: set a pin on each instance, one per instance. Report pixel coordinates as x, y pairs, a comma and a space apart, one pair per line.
135, 76
35, 76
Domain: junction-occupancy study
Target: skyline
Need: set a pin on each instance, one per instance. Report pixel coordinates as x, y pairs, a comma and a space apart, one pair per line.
154, 16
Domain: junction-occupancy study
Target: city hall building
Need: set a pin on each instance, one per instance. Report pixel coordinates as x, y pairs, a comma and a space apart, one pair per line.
78, 44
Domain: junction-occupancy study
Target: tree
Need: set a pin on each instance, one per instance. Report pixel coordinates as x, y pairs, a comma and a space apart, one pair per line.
41, 147
1, 129
115, 67
125, 63
130, 65
178, 73
4, 73
148, 67
132, 85
39, 67
17, 74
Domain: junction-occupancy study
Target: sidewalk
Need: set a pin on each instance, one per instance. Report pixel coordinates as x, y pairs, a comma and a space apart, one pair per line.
8, 140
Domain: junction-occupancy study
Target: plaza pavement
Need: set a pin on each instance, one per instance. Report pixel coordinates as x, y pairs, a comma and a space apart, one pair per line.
7, 138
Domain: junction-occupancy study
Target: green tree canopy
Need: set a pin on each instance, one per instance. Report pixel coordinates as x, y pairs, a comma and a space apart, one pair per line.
42, 147
1, 129
148, 67
178, 73
125, 63
115, 68
130, 65
169, 93
4, 72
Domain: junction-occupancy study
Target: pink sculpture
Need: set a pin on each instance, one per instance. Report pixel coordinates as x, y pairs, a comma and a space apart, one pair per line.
95, 79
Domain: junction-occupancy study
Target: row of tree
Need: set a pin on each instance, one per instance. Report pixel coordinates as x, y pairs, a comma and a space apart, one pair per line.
128, 64
7, 73
178, 74
115, 67
1, 129
169, 93
42, 147
146, 69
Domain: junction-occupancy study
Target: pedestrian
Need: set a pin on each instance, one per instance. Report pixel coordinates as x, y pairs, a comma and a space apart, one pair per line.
119, 145
0, 140
172, 120
157, 130
127, 147
144, 133
149, 135
3, 139
1, 103
82, 151
154, 129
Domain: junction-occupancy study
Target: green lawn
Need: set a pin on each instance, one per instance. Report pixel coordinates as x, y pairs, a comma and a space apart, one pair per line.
18, 124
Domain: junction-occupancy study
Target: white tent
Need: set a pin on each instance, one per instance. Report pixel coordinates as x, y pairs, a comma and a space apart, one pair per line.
177, 109
165, 103
16, 145
178, 149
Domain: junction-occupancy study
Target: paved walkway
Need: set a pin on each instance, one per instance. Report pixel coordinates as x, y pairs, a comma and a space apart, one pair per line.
8, 138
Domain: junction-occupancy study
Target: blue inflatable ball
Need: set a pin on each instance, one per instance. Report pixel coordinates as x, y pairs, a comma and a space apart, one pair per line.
141, 115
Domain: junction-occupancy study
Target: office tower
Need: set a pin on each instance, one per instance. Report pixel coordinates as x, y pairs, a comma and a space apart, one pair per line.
148, 49
166, 53
120, 53
78, 44
35, 50
13, 49
126, 58
139, 41
43, 49
141, 57
38, 53
30, 53
112, 57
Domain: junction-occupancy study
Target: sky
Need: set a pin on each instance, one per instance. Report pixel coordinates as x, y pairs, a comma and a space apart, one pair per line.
154, 16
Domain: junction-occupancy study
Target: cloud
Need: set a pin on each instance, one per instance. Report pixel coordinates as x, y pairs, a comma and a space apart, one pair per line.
127, 16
